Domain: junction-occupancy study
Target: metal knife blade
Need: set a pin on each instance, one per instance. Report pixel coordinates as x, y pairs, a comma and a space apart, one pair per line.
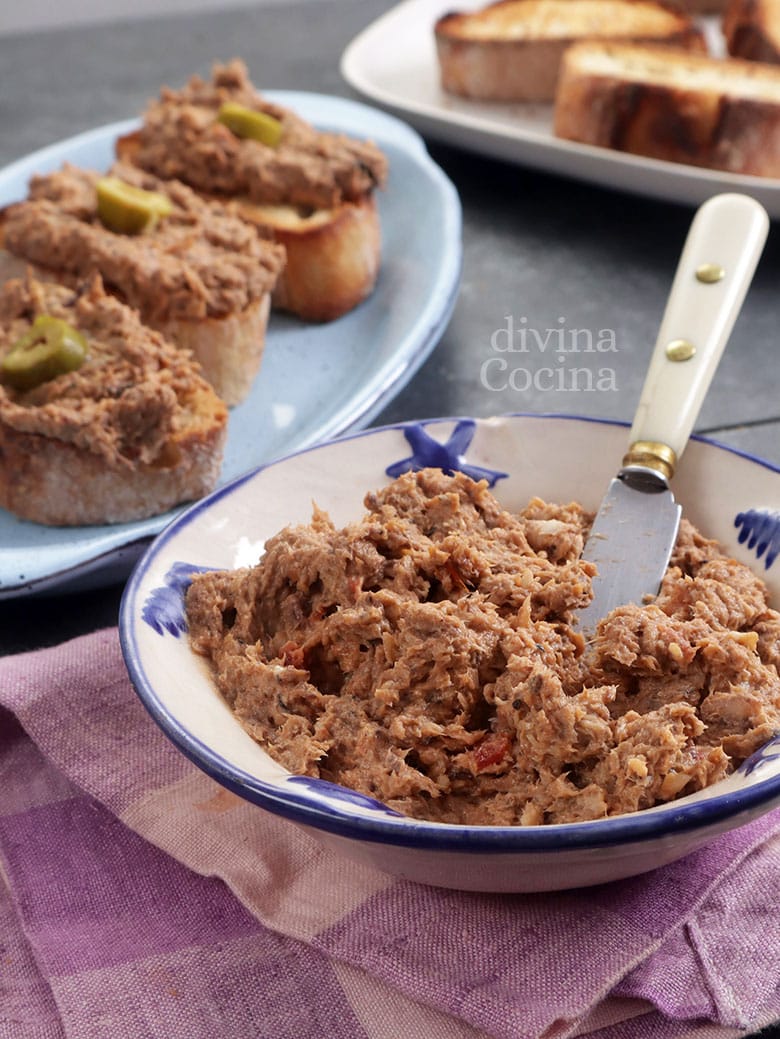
636, 527
630, 542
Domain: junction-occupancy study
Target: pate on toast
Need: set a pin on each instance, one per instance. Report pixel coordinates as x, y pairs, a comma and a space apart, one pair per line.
664, 104
752, 29
127, 430
200, 275
310, 191
511, 50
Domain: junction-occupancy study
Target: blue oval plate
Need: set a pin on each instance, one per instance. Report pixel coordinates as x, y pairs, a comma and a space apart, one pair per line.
316, 381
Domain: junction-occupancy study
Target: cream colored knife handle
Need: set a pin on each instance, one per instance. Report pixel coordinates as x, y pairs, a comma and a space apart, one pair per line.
716, 267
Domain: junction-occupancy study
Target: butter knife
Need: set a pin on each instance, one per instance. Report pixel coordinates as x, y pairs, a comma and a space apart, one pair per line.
636, 527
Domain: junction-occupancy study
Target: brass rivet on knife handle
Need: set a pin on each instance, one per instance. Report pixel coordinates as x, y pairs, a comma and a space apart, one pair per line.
710, 273
652, 455
680, 350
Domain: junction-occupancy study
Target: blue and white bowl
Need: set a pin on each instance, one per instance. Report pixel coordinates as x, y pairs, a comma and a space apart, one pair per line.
730, 496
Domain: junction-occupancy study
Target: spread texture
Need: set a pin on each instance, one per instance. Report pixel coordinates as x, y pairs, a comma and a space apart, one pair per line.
182, 137
426, 655
200, 261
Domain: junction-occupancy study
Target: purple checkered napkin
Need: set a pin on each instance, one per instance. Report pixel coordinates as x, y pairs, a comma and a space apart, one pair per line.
138, 899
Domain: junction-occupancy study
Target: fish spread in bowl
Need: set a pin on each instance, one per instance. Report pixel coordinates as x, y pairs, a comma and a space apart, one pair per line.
427, 655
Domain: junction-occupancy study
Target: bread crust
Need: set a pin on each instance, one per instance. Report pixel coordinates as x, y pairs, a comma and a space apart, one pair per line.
333, 255
56, 484
680, 108
512, 49
752, 30
228, 348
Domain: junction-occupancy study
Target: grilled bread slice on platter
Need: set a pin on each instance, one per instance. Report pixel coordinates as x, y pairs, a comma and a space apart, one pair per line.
310, 191
512, 49
665, 104
101, 419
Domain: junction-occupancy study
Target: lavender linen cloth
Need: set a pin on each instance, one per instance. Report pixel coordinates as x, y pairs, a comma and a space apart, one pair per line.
139, 899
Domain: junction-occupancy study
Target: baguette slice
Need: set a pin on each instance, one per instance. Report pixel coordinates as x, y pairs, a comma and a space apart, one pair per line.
333, 254
653, 101
312, 192
752, 29
132, 432
202, 276
512, 49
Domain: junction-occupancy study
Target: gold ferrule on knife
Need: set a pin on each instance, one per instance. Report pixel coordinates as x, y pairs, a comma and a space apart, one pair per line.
652, 454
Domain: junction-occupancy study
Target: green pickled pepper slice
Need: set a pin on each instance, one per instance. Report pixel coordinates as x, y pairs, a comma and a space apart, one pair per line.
127, 209
51, 347
248, 122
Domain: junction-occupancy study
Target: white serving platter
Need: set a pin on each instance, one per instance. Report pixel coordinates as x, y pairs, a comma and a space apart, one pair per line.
393, 63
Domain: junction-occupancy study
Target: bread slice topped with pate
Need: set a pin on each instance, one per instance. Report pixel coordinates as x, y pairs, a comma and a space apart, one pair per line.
664, 104
102, 420
193, 270
311, 191
752, 29
511, 50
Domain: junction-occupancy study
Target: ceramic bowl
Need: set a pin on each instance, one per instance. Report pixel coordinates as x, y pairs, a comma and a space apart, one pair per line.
730, 496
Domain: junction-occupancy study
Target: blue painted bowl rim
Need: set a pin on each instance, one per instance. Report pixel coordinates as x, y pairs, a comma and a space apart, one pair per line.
286, 801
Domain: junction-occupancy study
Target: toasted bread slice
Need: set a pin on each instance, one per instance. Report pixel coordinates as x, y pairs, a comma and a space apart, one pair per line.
653, 101
752, 29
133, 431
512, 50
201, 276
228, 348
311, 191
332, 254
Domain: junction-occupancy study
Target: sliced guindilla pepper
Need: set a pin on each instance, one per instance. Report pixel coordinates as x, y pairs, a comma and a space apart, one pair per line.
127, 209
51, 347
248, 122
